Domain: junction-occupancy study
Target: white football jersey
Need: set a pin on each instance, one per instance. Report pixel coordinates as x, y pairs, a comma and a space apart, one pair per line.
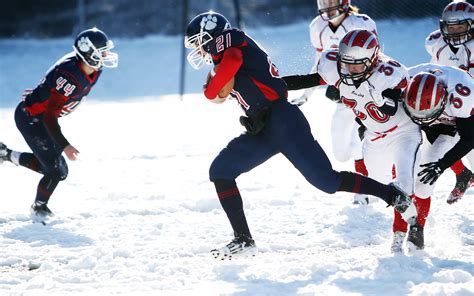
460, 87
442, 54
323, 37
387, 74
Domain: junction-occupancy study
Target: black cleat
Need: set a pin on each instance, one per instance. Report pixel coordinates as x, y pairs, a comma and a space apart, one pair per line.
240, 246
416, 237
463, 182
40, 209
4, 153
404, 205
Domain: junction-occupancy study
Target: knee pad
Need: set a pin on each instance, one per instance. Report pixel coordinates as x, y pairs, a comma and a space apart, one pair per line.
59, 171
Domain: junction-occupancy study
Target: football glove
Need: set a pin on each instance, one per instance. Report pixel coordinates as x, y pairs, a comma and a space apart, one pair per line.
431, 172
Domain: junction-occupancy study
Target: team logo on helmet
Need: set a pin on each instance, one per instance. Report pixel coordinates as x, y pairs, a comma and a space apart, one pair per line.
84, 44
209, 22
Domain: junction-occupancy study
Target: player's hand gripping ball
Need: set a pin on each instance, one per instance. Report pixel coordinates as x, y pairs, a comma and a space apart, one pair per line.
225, 91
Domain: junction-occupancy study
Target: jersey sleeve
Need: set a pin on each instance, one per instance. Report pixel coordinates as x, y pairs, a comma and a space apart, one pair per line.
314, 35
430, 43
327, 67
366, 22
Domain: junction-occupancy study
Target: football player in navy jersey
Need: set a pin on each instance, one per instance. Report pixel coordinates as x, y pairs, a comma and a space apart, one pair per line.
59, 93
273, 126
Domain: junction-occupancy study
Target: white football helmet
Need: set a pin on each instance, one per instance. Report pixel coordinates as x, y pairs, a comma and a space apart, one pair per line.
460, 14
357, 47
425, 98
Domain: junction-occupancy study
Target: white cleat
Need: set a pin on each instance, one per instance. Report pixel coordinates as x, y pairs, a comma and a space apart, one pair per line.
397, 242
239, 247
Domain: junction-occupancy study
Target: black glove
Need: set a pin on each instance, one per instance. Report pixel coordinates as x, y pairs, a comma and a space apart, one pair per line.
431, 172
333, 94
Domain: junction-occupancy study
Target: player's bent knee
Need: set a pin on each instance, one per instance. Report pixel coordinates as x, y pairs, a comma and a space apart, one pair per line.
219, 170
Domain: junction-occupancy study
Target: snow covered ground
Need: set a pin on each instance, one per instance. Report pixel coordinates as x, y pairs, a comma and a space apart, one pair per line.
138, 216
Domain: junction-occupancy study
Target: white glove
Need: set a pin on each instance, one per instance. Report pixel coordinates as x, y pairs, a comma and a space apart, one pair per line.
300, 100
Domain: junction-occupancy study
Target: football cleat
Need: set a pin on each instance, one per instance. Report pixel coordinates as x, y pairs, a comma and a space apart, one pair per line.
40, 209
240, 246
397, 242
4, 151
361, 199
415, 236
463, 181
404, 205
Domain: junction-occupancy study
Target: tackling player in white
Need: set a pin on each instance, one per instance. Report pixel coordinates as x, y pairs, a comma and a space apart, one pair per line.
452, 45
371, 84
441, 100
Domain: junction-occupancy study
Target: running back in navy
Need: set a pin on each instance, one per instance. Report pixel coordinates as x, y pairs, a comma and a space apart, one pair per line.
273, 125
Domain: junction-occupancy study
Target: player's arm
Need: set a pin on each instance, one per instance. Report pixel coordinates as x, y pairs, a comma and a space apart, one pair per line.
465, 126
433, 170
295, 82
231, 61
50, 118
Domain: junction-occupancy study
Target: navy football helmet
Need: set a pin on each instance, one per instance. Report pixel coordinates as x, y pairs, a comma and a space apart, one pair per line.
199, 33
93, 47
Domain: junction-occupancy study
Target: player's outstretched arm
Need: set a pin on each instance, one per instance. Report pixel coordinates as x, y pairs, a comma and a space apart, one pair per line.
295, 82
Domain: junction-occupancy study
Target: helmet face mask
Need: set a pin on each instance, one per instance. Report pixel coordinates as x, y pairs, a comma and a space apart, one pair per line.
201, 30
456, 23
93, 48
330, 10
357, 56
425, 98
199, 55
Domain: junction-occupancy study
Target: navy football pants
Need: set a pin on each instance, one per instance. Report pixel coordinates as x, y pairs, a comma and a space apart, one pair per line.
46, 158
286, 131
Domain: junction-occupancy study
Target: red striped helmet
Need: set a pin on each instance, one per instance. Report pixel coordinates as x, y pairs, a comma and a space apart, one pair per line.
425, 98
357, 47
457, 14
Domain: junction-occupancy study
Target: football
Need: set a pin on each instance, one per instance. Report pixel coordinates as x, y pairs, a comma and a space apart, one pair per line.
225, 91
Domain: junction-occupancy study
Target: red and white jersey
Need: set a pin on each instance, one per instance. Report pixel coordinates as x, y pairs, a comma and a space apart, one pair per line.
387, 74
442, 54
323, 37
460, 87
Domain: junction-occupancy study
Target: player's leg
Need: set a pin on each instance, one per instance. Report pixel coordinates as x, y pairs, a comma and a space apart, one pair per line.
405, 149
301, 149
423, 192
464, 180
241, 155
46, 158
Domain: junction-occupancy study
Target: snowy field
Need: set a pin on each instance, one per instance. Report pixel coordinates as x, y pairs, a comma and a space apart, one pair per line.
138, 216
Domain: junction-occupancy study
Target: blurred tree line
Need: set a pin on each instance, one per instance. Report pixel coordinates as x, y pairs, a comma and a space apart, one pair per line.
134, 18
